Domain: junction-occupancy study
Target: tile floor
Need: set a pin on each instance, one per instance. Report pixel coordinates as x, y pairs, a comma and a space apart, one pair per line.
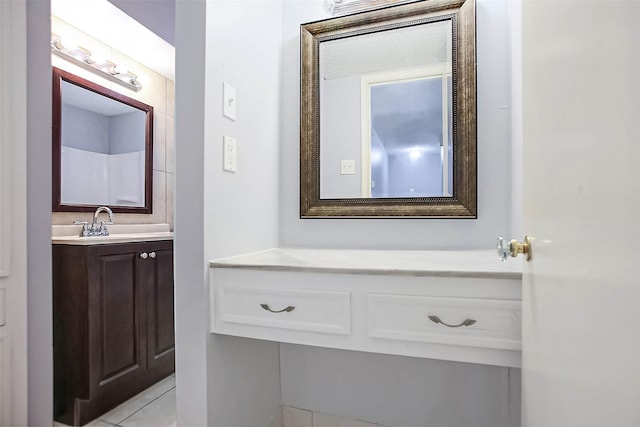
154, 407
294, 417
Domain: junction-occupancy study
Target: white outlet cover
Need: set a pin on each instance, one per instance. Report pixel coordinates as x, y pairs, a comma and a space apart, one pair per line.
229, 154
347, 167
228, 101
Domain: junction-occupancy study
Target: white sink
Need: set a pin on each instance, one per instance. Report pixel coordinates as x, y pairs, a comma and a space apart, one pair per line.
118, 233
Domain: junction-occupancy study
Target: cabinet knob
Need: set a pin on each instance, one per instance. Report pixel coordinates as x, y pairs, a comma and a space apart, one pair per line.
144, 255
152, 254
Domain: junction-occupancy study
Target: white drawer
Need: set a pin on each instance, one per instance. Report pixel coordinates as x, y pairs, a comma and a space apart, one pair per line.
299, 309
489, 323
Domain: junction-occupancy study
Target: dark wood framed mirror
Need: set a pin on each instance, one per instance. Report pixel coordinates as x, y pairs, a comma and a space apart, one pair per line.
388, 113
102, 148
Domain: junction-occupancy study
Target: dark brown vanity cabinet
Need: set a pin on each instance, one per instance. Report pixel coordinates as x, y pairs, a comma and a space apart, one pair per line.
113, 324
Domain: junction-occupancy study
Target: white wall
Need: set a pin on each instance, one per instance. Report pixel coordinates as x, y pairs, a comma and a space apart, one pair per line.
341, 137
13, 117
243, 49
37, 214
494, 152
394, 391
343, 383
241, 208
25, 54
191, 308
517, 199
224, 381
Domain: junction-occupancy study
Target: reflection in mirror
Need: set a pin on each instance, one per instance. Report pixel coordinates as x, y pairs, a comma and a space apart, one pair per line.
387, 109
102, 144
102, 148
388, 113
408, 151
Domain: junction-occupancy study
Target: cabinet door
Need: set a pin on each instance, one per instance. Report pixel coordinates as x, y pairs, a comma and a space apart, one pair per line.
117, 319
157, 272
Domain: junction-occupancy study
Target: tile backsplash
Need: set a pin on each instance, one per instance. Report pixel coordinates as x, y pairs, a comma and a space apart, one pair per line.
157, 91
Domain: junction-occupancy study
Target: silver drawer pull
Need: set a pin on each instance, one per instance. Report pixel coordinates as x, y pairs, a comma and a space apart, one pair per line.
144, 255
284, 310
152, 254
467, 322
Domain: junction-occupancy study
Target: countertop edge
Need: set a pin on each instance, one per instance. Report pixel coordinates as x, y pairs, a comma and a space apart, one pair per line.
92, 241
375, 272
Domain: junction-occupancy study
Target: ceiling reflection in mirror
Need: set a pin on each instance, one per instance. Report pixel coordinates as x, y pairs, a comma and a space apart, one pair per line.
386, 109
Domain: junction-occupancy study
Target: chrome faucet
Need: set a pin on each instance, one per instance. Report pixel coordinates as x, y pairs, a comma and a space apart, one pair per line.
94, 229
102, 229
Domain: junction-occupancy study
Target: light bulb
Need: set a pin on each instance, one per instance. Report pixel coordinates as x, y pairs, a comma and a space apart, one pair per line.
69, 43
143, 79
97, 59
120, 69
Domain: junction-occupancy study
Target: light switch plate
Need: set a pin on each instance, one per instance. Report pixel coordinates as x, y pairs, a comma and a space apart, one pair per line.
347, 167
229, 155
228, 101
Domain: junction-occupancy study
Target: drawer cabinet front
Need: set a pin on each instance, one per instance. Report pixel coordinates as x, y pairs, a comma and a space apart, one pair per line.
305, 310
113, 325
160, 301
456, 321
115, 316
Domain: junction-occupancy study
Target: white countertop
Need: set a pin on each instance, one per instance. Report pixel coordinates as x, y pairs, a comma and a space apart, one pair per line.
118, 233
473, 263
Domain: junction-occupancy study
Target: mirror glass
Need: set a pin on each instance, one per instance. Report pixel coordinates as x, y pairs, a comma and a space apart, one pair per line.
385, 108
388, 113
102, 148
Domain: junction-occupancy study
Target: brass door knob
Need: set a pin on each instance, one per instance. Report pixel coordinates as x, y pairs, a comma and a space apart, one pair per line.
513, 248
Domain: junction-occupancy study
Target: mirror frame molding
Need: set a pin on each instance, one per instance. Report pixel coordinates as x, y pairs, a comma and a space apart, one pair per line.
59, 76
463, 203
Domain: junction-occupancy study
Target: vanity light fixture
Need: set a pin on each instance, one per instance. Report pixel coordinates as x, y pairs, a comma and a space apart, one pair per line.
345, 7
87, 60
